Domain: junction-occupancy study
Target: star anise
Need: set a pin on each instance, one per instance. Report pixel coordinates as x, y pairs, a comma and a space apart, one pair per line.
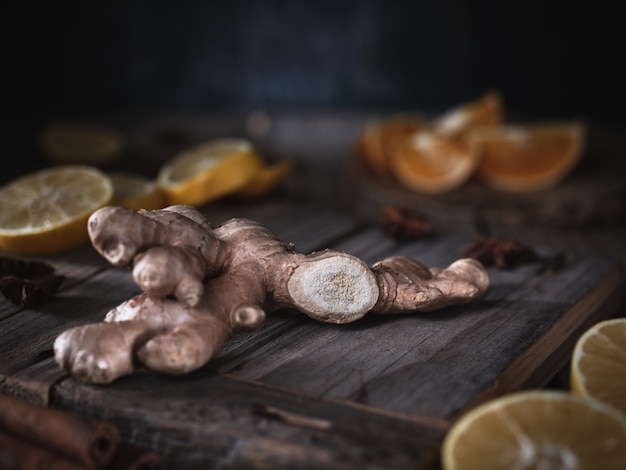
26, 283
402, 224
502, 252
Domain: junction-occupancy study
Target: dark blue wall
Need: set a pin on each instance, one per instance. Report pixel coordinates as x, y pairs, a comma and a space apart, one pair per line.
546, 58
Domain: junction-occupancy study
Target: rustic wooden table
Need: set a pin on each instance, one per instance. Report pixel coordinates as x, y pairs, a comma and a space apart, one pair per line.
379, 393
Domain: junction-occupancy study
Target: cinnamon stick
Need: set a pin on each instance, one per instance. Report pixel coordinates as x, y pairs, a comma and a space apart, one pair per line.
131, 457
88, 442
19, 454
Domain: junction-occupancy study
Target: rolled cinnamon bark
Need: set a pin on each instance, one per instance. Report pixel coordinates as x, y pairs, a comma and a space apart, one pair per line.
131, 457
88, 442
18, 454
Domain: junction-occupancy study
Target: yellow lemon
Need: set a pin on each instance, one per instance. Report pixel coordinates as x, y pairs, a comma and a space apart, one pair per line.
598, 366
84, 143
136, 191
209, 171
47, 211
266, 180
535, 430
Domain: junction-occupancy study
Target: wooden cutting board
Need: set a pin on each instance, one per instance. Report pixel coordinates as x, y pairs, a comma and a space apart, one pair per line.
378, 393
594, 195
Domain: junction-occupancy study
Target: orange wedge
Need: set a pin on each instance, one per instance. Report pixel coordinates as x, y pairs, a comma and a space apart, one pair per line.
526, 158
538, 429
485, 111
46, 212
378, 141
429, 162
598, 366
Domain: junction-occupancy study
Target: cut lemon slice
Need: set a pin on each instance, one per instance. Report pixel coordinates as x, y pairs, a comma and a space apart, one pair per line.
209, 171
80, 143
527, 158
485, 111
46, 212
598, 366
537, 430
429, 162
136, 192
266, 180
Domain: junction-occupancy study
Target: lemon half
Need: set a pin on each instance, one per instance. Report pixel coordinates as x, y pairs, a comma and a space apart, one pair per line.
47, 211
598, 366
537, 429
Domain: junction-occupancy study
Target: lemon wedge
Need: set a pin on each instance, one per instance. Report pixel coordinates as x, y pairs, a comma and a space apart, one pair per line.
209, 171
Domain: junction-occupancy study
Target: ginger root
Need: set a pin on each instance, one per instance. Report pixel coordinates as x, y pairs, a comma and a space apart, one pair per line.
202, 284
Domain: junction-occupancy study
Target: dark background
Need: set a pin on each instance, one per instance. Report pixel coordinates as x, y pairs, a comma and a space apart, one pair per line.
547, 59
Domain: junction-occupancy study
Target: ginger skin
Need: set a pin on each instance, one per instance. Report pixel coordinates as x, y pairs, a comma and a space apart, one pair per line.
202, 284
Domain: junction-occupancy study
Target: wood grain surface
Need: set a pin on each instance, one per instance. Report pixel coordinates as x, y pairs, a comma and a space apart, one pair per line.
297, 393
379, 393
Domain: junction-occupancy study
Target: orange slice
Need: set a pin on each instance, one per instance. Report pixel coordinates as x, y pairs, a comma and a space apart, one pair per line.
527, 158
429, 162
209, 171
598, 366
136, 191
539, 429
266, 180
485, 111
378, 141
80, 143
47, 211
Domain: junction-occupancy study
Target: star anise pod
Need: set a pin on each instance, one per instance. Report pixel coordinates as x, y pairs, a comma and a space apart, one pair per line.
501, 252
26, 283
402, 224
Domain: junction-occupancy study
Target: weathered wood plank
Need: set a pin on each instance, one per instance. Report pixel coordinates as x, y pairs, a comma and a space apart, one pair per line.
33, 382
7, 308
473, 348
535, 367
403, 363
203, 420
28, 335
297, 393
